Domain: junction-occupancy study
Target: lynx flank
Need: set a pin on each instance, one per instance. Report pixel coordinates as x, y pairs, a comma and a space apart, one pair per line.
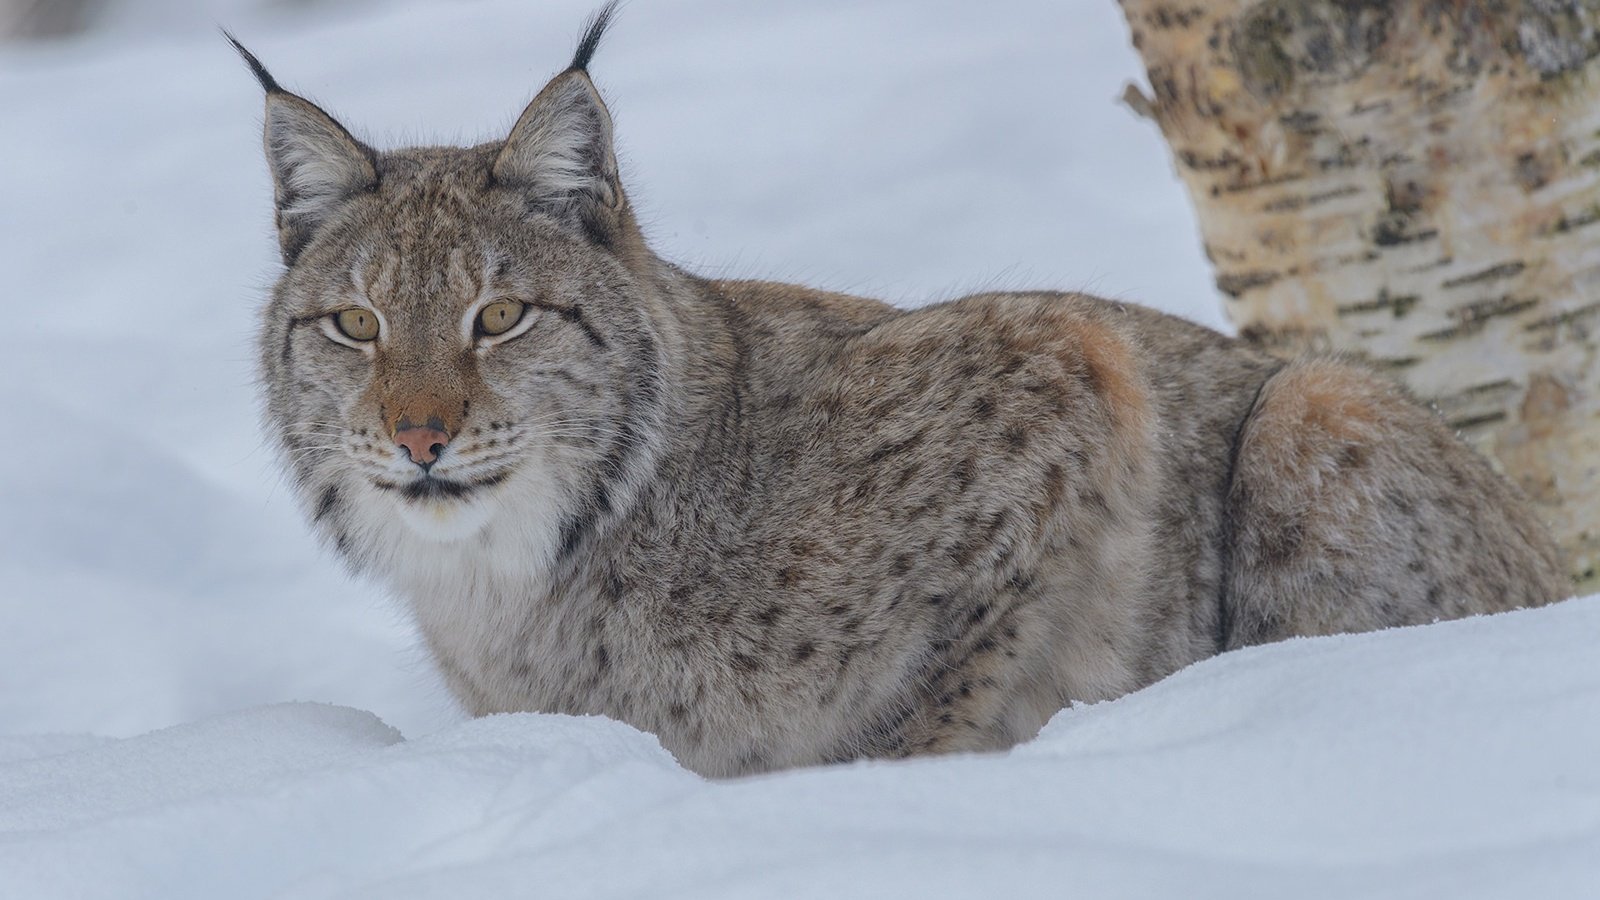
777, 526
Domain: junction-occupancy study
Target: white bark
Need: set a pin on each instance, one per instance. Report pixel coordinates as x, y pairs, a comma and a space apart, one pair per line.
1415, 182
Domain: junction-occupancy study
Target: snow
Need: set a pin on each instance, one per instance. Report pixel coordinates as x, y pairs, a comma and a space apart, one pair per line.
163, 605
1447, 761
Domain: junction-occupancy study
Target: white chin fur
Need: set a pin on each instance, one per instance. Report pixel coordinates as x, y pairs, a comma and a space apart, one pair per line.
446, 521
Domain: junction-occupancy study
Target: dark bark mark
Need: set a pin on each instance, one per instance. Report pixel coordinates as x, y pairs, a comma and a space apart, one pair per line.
1493, 273
1237, 284
1398, 305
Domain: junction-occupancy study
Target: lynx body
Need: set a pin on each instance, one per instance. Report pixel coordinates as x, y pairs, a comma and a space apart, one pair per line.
777, 526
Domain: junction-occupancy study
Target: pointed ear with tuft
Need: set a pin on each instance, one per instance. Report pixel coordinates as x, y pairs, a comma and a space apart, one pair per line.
316, 164
560, 158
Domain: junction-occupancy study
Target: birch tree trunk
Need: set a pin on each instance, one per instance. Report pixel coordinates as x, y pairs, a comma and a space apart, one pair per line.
1416, 182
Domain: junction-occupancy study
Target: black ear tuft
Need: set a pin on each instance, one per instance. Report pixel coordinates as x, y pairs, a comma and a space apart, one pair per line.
316, 164
593, 31
268, 83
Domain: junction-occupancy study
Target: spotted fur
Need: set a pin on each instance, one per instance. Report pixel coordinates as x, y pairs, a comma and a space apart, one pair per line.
777, 526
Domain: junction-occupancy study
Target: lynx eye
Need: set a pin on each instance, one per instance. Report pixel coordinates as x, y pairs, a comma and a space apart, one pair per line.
500, 317
357, 324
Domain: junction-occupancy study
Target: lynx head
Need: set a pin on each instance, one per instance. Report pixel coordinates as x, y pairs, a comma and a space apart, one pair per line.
457, 330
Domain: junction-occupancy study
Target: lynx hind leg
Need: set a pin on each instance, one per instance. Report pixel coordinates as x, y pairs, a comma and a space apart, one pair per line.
1354, 508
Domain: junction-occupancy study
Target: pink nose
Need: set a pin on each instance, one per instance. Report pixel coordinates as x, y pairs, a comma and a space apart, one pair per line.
423, 443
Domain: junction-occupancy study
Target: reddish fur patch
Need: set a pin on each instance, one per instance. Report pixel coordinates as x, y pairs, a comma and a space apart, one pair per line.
1332, 400
419, 406
1112, 370
1319, 412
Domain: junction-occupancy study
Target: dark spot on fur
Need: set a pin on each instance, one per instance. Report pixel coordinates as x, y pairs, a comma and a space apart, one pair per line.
1353, 456
1402, 504
326, 503
572, 532
975, 540
746, 664
1050, 392
1016, 438
613, 586
965, 473
1279, 545
804, 651
906, 474
885, 451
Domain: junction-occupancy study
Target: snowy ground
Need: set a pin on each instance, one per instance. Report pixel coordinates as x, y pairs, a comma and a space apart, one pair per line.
1452, 761
155, 573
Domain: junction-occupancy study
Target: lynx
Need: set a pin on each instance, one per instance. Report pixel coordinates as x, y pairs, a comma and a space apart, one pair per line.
777, 526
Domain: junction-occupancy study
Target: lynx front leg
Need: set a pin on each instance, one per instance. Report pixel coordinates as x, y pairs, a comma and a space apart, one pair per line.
1353, 509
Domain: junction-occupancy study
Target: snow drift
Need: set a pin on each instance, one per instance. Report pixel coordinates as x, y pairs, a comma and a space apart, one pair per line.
1455, 760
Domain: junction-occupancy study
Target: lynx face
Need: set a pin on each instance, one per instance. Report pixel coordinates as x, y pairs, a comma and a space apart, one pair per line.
456, 331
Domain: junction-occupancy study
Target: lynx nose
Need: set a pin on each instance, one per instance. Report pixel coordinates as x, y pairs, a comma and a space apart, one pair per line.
423, 442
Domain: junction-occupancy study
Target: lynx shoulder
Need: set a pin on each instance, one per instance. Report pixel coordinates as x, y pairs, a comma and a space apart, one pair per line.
777, 526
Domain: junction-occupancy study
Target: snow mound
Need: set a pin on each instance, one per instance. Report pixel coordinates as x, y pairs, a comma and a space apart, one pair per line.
1454, 760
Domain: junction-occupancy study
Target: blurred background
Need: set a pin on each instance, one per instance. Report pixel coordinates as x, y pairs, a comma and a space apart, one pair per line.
154, 569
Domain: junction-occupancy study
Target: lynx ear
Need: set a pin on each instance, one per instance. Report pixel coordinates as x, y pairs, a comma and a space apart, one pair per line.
559, 154
316, 164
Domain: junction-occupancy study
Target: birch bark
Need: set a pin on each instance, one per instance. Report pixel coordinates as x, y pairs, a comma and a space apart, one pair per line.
1416, 182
